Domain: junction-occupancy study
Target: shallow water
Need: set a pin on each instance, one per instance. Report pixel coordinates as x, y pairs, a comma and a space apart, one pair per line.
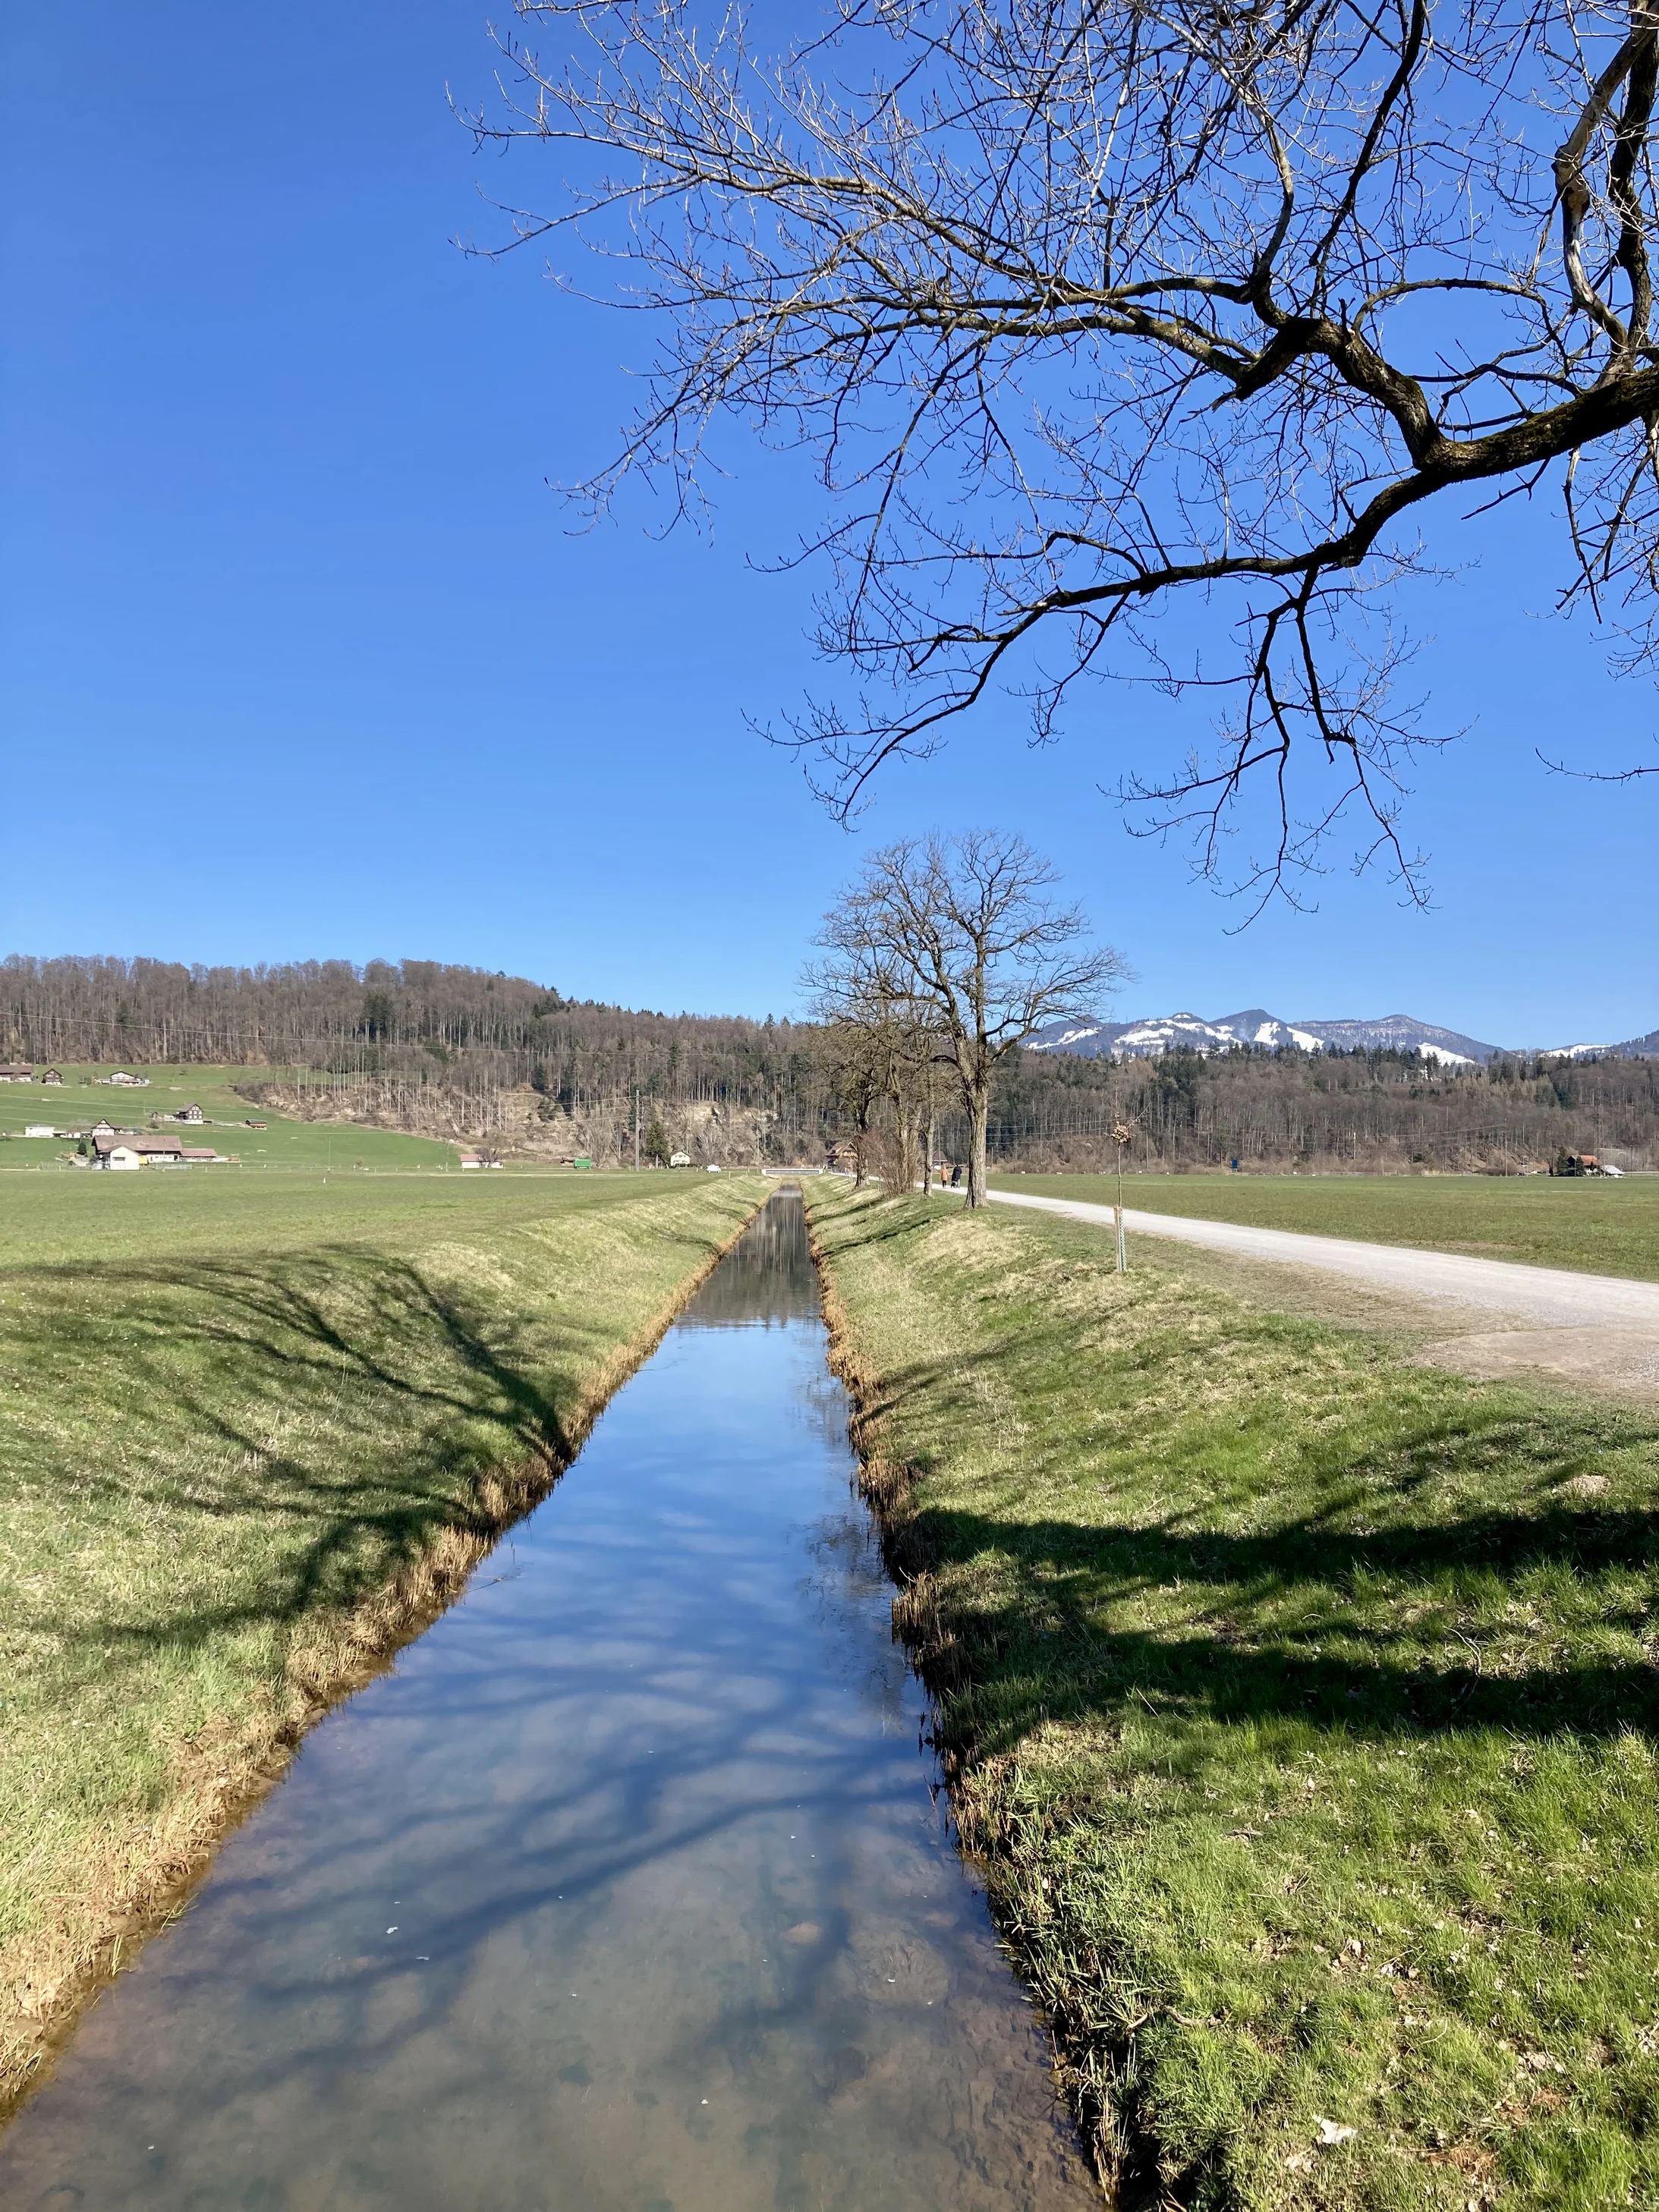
627, 1891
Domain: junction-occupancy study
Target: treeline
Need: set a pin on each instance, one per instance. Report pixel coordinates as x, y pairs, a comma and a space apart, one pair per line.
439, 1041
1387, 1111
440, 1047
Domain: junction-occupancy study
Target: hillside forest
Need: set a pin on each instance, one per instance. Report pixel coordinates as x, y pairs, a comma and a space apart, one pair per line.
453, 1051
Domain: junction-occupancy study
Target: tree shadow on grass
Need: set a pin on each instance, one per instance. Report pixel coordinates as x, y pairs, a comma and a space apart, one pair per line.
1347, 1602
303, 1427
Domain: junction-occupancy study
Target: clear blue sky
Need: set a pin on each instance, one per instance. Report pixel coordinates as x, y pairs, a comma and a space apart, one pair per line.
299, 659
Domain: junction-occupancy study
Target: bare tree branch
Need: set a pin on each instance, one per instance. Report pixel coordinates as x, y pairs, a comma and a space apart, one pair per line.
1090, 307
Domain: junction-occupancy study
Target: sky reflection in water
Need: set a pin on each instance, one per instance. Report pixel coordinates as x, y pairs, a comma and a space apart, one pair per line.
625, 1892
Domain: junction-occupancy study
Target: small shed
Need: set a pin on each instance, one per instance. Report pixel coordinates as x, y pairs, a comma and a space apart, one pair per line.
471, 1160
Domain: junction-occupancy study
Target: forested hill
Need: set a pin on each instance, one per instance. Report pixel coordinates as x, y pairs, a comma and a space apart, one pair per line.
389, 1018
455, 1050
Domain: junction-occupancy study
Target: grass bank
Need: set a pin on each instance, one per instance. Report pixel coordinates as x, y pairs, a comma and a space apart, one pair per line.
252, 1438
1599, 1227
1301, 1705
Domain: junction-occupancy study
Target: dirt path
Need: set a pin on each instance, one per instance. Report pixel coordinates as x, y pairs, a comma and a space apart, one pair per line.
1595, 1330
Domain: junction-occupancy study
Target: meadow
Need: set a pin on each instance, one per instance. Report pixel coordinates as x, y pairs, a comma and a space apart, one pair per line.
254, 1433
1300, 1704
285, 1143
1597, 1225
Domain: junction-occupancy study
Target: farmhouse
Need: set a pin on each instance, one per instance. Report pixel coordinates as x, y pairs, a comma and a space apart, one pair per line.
114, 1149
188, 1114
53, 1075
16, 1071
39, 1129
123, 1081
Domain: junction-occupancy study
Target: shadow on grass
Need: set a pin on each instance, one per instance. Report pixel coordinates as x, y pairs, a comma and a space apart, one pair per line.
298, 1428
1366, 1549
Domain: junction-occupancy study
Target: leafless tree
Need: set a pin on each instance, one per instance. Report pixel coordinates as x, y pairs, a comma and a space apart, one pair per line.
1090, 307
880, 1030
964, 927
852, 1062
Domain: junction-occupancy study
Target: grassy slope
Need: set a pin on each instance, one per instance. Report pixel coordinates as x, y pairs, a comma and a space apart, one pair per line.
249, 1435
1304, 1709
284, 1144
1599, 1227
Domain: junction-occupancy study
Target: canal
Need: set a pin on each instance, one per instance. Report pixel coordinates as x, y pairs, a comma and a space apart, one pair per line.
629, 1889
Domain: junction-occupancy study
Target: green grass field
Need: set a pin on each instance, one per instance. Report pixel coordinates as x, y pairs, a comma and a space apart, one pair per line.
1599, 1226
1303, 1705
251, 1432
285, 1143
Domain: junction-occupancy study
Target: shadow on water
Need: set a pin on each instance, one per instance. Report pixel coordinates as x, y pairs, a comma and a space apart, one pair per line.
627, 1889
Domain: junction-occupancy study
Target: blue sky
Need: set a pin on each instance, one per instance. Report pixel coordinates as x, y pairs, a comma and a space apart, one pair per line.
298, 657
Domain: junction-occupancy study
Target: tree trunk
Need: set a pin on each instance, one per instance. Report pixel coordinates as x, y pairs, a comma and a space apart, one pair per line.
979, 1113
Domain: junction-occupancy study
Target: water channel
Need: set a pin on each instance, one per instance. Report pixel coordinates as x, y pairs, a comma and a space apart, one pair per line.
627, 1890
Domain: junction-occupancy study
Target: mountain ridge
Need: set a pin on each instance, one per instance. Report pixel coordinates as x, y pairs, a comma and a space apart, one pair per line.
1151, 1035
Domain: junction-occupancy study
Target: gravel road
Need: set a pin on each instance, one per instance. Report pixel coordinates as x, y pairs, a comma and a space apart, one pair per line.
1547, 1297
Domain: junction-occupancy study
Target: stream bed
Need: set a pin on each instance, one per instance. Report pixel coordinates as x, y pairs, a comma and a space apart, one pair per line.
631, 1888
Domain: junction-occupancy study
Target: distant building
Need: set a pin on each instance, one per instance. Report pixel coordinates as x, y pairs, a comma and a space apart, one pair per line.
39, 1129
16, 1072
53, 1075
199, 1155
257, 1125
680, 1159
101, 1129
123, 1081
188, 1114
471, 1160
118, 1150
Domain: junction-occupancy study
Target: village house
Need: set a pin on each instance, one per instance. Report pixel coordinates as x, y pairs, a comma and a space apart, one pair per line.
53, 1075
188, 1114
116, 1150
123, 1081
39, 1129
16, 1072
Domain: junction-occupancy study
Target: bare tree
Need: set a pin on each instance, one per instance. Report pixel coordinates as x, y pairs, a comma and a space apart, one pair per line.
1088, 308
963, 927
880, 1032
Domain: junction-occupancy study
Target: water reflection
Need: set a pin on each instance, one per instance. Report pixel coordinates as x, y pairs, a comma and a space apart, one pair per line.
626, 1890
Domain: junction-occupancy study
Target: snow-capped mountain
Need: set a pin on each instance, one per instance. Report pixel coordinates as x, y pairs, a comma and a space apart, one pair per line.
1642, 1048
1145, 1040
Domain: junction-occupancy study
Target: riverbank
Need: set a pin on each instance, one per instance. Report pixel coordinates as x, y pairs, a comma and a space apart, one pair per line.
253, 1440
1299, 1704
